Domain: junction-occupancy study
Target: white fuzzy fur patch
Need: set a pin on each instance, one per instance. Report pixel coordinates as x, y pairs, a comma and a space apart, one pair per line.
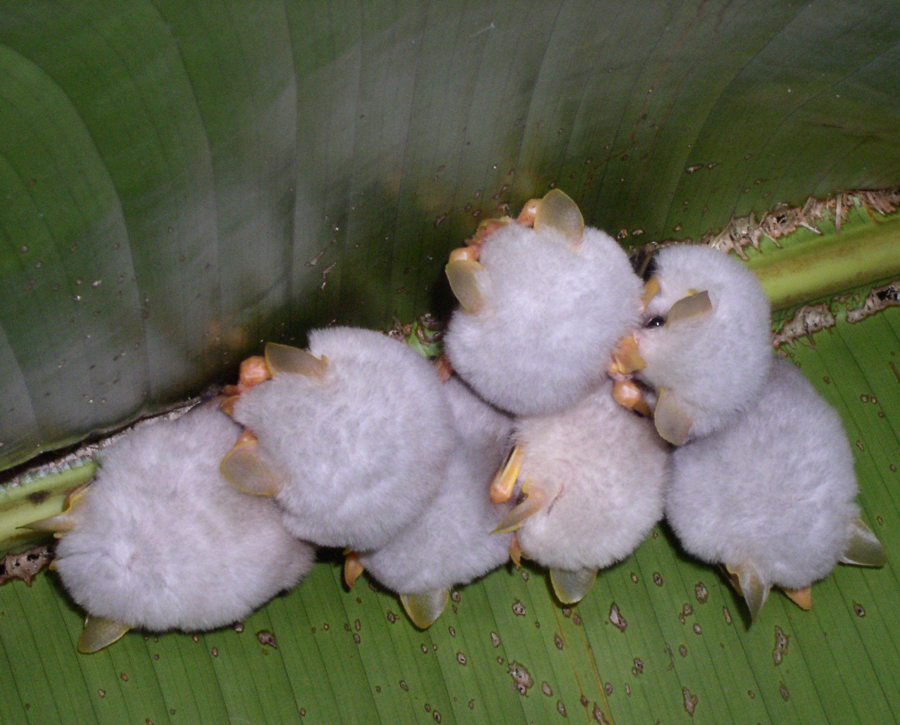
167, 543
364, 449
612, 467
777, 486
551, 319
451, 542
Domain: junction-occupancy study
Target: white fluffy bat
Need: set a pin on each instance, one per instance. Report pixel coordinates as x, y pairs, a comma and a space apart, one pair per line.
705, 341
541, 310
594, 479
772, 496
160, 540
352, 437
451, 542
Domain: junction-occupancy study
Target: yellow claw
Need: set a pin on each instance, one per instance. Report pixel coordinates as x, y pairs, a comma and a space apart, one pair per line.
470, 253
515, 551
627, 394
863, 547
537, 497
651, 289
571, 586
526, 216
227, 404
801, 597
505, 481
626, 358
353, 568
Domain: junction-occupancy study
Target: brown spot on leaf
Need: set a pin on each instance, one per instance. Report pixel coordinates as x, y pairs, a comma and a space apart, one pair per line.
690, 701
266, 638
701, 592
598, 715
521, 677
616, 618
781, 645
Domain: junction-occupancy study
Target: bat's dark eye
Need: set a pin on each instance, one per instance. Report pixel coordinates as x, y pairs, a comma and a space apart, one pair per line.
655, 322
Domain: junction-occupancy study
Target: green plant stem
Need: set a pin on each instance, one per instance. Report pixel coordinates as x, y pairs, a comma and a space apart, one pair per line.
825, 265
38, 499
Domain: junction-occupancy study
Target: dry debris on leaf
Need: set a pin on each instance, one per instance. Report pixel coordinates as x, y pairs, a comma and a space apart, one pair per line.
806, 320
783, 219
26, 565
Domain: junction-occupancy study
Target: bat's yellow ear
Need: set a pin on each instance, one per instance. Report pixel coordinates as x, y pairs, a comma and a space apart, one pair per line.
750, 585
424, 608
99, 633
557, 211
671, 420
863, 547
287, 359
244, 468
467, 278
692, 307
571, 586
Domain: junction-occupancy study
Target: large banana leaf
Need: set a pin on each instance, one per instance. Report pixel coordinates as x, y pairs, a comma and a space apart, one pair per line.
181, 180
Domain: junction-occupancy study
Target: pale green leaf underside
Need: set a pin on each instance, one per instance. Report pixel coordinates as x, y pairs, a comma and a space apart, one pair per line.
841, 661
180, 181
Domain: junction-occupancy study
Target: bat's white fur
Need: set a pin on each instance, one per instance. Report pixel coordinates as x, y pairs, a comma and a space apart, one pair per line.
777, 486
167, 543
613, 468
451, 543
715, 365
364, 450
551, 319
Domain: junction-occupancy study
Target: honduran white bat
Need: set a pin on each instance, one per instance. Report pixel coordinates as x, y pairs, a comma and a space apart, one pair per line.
350, 437
160, 540
772, 495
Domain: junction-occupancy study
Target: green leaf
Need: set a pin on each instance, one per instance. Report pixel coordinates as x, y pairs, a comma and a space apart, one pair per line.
181, 181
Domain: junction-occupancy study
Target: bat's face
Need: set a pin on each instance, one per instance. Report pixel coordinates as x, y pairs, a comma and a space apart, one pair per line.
542, 308
703, 340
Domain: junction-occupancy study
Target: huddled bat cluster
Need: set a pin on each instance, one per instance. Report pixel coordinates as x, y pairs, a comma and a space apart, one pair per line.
586, 403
